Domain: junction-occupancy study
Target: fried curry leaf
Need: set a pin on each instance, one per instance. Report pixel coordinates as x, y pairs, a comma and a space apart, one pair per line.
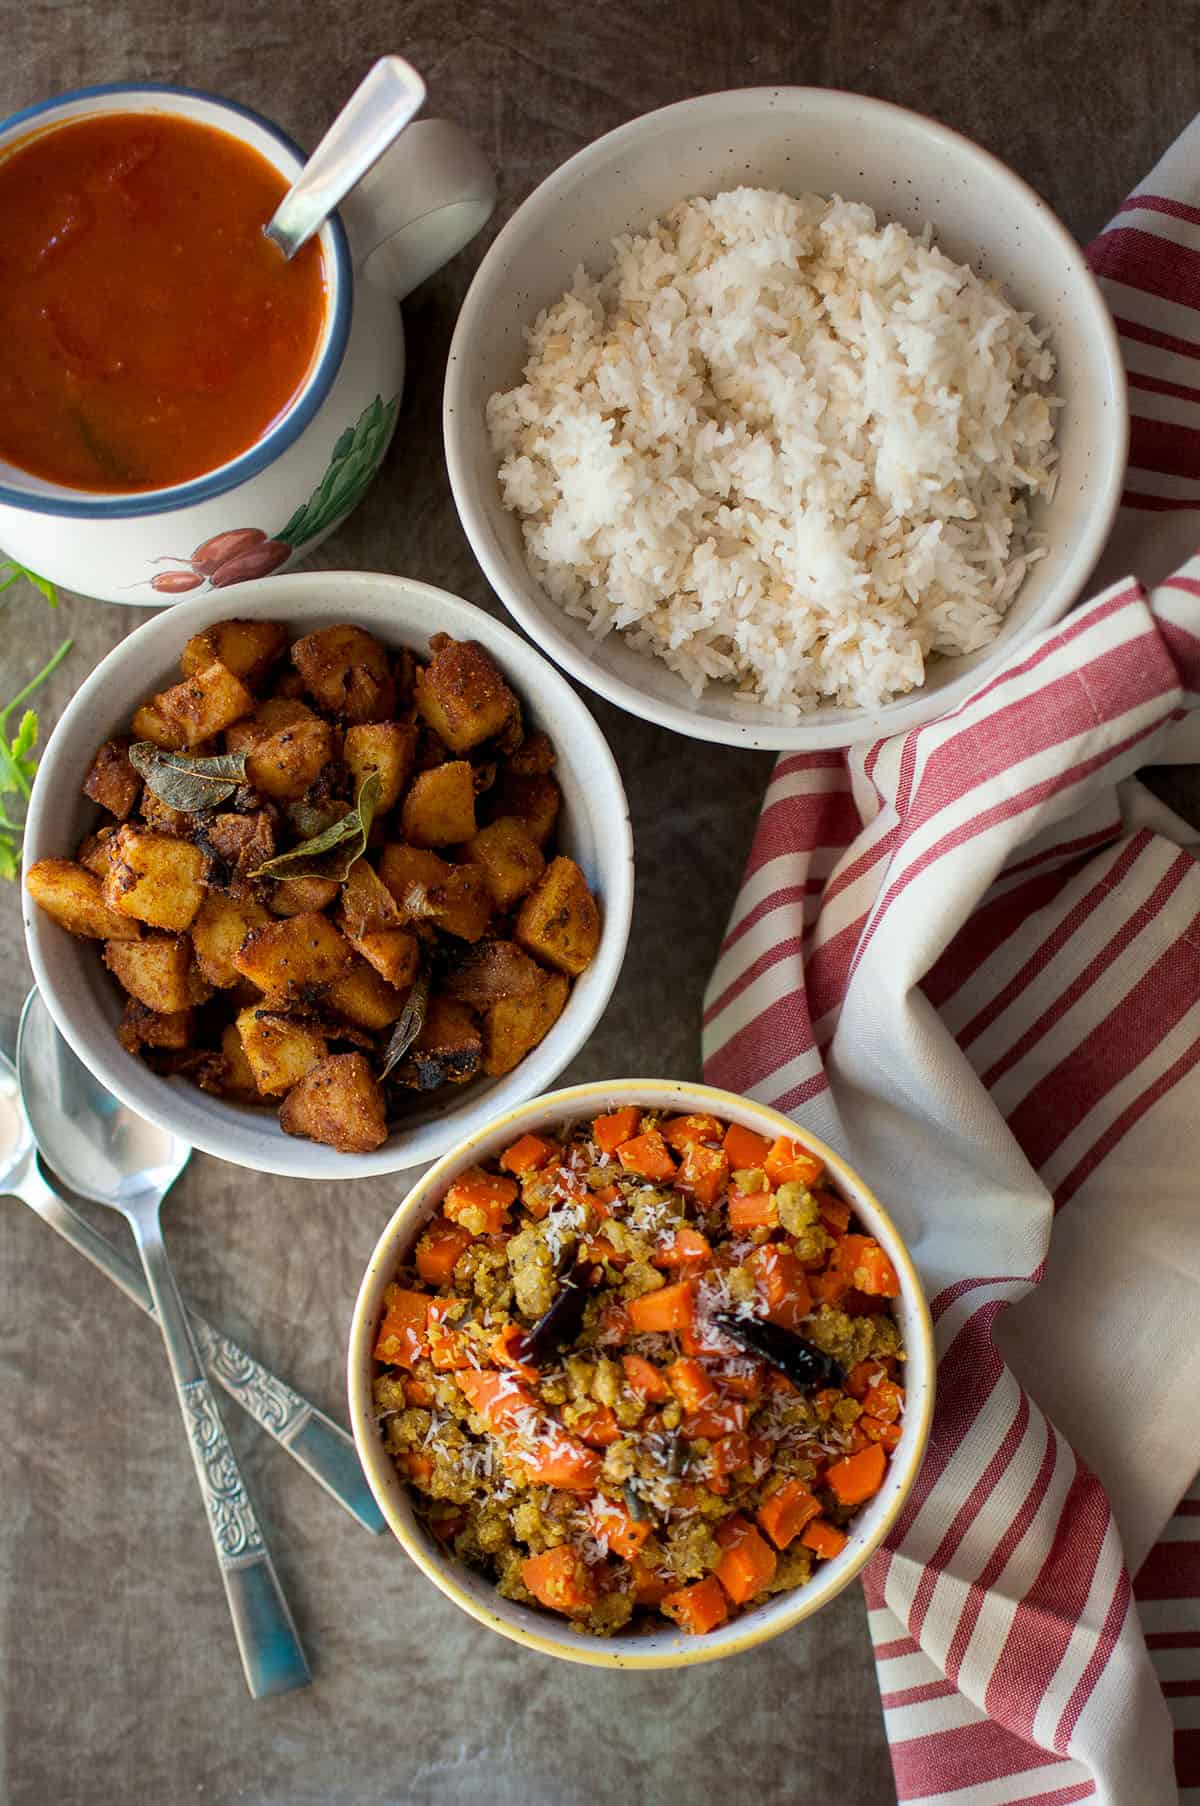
331, 854
409, 1022
185, 782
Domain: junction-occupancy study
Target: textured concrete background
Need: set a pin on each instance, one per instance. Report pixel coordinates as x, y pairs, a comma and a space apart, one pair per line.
120, 1681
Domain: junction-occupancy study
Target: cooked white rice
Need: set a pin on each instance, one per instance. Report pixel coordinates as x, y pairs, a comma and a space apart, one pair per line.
779, 445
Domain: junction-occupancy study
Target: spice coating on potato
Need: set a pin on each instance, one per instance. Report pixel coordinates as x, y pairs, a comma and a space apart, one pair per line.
158, 971
141, 1027
155, 878
149, 723
293, 896
463, 698
204, 704
339, 1103
112, 782
74, 898
448, 1049
510, 858
559, 922
515, 1025
298, 954
278, 1049
247, 648
286, 745
533, 798
218, 931
439, 810
346, 672
387, 748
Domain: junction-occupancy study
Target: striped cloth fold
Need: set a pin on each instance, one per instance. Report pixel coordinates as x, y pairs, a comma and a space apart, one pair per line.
970, 957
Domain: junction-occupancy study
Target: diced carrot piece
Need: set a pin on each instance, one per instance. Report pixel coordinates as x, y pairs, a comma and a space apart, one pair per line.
690, 1384
439, 1248
858, 1477
784, 1515
649, 1587
745, 1149
480, 1200
885, 1400
507, 1350
824, 1538
720, 1417
703, 1173
684, 1132
600, 1201
497, 1397
401, 1339
648, 1156
416, 1392
527, 1154
752, 1210
447, 1350
599, 1428
747, 1384
560, 1580
835, 1212
829, 1287
748, 1564
685, 1248
563, 1463
728, 1454
599, 1250
612, 1325
865, 1374
862, 1263
719, 1484
644, 1378
875, 1430
618, 1529
673, 1307
789, 1162
697, 1608
610, 1131
415, 1466
782, 1285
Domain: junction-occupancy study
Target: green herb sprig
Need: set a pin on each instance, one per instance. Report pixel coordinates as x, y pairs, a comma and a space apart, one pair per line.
18, 761
11, 572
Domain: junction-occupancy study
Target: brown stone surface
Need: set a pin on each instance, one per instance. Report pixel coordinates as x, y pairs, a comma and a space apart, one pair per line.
120, 1681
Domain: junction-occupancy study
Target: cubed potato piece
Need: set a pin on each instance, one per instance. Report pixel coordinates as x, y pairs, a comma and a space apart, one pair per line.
515, 1025
533, 798
141, 1027
74, 898
164, 820
298, 954
149, 723
295, 896
510, 857
247, 648
339, 1103
365, 998
559, 922
158, 970
204, 704
112, 782
235, 1080
221, 925
387, 748
448, 1049
463, 697
155, 878
278, 1049
369, 917
287, 747
241, 843
491, 970
346, 671
439, 809
453, 897
393, 952
95, 851
535, 755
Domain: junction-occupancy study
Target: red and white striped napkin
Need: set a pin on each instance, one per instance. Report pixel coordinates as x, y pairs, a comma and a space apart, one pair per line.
970, 957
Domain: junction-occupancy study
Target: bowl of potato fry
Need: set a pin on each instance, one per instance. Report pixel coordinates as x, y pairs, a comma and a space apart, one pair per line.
325, 878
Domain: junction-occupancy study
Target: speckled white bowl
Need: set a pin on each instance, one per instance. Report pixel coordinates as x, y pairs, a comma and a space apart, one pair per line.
542, 1631
821, 140
84, 1000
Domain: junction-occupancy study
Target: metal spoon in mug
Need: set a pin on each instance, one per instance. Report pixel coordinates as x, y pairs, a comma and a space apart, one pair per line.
314, 1441
387, 99
113, 1156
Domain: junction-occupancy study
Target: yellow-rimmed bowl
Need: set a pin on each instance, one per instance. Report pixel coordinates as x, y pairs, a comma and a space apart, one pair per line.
666, 1648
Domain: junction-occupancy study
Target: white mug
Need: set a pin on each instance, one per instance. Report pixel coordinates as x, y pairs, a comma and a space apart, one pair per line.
274, 502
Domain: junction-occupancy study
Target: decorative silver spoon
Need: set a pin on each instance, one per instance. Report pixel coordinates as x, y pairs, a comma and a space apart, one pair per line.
113, 1156
384, 102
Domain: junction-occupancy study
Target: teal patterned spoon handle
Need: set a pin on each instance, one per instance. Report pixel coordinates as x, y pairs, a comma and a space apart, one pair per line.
322, 1448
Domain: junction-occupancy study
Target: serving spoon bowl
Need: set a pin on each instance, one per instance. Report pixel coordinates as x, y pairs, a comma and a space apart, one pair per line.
106, 1152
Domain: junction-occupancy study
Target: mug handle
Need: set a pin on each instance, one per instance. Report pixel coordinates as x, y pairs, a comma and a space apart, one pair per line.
423, 201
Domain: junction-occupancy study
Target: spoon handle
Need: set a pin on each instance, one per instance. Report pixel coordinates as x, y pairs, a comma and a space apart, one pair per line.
320, 1446
272, 1657
388, 97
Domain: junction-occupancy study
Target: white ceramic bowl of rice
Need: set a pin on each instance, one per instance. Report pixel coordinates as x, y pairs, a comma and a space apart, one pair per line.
774, 469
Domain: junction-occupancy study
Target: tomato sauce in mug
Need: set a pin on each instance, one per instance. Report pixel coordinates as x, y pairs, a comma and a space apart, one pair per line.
149, 332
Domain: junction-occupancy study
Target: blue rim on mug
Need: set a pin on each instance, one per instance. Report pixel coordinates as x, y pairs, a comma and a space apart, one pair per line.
290, 424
